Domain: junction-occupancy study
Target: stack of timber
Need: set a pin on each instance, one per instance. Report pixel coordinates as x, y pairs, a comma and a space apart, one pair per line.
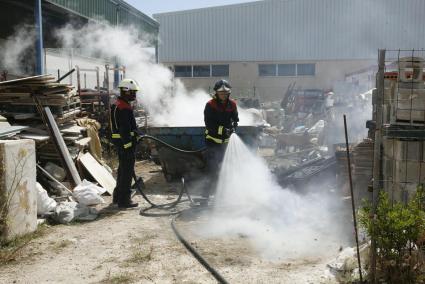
18, 98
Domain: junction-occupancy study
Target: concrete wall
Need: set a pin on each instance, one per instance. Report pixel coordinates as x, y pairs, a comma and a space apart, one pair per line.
18, 194
245, 79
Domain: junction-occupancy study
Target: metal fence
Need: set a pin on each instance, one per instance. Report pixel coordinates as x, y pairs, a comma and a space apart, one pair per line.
399, 113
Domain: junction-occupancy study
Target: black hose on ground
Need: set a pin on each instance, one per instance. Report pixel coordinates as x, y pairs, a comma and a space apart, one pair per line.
193, 251
171, 205
168, 206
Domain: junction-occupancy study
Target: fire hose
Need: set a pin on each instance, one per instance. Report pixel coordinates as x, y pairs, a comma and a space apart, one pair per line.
139, 185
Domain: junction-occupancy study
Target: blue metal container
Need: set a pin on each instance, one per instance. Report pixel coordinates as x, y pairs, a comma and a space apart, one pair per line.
175, 164
192, 138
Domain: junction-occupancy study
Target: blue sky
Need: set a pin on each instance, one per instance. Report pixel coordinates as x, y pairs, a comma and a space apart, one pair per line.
150, 7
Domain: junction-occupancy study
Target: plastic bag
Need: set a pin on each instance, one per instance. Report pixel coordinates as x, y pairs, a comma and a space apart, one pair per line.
88, 193
45, 204
67, 212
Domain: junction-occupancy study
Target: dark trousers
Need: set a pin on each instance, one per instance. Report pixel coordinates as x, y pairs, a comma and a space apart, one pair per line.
214, 154
122, 191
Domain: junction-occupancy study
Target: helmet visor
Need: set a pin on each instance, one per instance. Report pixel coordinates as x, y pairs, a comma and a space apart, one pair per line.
224, 87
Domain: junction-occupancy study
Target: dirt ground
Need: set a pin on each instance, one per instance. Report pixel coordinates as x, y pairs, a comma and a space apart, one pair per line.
124, 247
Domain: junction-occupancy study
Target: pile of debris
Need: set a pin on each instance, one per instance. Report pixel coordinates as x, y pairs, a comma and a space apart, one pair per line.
20, 98
67, 145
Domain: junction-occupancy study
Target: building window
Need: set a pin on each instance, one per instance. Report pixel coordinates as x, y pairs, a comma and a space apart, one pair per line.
183, 71
267, 69
306, 69
220, 70
201, 71
286, 70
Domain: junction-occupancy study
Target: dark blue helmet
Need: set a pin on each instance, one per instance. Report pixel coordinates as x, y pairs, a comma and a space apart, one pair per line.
222, 85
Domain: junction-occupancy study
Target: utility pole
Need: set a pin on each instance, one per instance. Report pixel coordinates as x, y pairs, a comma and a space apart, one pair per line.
39, 62
116, 70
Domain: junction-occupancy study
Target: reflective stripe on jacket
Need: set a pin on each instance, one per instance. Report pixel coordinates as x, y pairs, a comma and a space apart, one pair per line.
123, 124
219, 116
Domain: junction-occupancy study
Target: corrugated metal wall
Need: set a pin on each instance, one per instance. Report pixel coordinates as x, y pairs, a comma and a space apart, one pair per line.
276, 30
110, 11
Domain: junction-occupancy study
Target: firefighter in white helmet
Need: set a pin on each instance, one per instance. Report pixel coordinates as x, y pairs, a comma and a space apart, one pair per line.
124, 137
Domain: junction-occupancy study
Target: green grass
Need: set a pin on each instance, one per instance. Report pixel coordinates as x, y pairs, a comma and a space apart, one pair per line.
140, 256
61, 245
122, 278
11, 250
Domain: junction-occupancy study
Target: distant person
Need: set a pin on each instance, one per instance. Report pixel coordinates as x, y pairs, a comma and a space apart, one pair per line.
221, 119
124, 137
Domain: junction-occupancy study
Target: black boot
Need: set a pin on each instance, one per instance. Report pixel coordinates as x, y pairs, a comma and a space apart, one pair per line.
115, 196
128, 205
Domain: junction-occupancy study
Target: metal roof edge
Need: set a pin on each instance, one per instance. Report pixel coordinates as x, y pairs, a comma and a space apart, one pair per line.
182, 12
148, 19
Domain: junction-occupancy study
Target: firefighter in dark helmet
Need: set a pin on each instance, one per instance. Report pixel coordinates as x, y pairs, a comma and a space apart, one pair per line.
221, 119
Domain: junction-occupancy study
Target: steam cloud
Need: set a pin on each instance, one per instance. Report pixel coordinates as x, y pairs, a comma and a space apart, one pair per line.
279, 222
167, 100
15, 48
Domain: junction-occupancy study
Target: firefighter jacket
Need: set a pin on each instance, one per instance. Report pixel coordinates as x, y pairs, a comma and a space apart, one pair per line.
123, 124
218, 117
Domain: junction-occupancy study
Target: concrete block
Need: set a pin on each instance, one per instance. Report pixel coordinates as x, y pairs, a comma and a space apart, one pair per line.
406, 171
403, 150
411, 69
18, 194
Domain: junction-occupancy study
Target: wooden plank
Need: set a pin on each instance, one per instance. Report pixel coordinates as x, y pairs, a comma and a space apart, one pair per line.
98, 172
68, 163
34, 78
37, 130
11, 129
72, 129
22, 116
81, 143
36, 137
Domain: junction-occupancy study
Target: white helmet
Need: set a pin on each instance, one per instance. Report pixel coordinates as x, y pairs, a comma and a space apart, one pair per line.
129, 85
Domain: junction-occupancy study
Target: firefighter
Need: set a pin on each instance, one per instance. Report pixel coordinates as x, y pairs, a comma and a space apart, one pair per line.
221, 119
124, 137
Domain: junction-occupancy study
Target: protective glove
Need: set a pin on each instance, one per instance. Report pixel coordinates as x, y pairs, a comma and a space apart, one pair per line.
235, 125
229, 131
139, 136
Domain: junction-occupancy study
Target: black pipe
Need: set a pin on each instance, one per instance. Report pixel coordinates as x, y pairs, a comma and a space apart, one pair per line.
352, 199
66, 75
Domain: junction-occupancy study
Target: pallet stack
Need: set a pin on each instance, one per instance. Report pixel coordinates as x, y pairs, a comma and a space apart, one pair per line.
18, 103
17, 98
404, 129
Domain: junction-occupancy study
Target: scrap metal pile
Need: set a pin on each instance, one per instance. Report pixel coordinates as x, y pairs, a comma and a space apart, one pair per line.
305, 136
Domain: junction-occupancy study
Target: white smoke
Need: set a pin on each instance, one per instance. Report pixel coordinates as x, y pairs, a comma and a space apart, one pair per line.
166, 99
14, 48
279, 222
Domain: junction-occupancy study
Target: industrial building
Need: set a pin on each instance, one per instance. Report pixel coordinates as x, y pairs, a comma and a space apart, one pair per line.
264, 46
43, 17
